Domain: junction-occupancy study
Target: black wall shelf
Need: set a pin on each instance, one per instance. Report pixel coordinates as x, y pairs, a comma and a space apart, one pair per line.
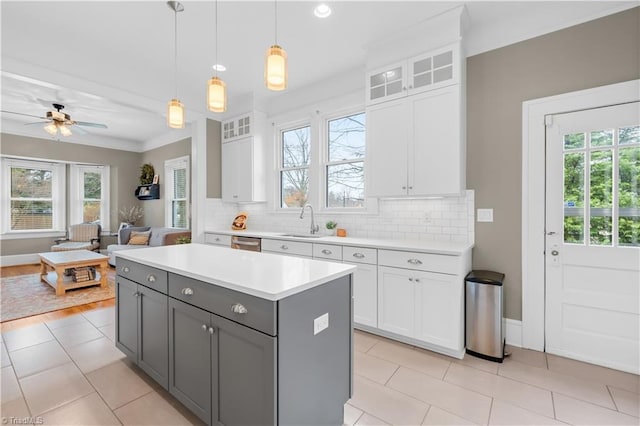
148, 192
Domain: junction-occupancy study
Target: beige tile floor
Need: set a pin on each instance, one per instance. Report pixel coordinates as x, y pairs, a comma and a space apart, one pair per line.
68, 372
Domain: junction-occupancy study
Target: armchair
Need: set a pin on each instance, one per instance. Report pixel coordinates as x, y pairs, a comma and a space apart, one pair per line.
83, 236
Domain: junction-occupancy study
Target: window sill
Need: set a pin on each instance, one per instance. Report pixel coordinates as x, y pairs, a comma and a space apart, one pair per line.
31, 234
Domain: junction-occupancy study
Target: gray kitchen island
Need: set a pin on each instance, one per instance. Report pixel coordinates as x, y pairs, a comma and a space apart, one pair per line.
238, 337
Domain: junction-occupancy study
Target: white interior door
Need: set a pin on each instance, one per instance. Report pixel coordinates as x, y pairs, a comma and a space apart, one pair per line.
592, 249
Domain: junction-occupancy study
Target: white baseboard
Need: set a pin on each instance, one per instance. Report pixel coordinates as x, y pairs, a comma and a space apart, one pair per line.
19, 259
512, 331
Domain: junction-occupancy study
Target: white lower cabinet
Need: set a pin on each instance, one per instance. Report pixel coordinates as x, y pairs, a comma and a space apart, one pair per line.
365, 294
396, 297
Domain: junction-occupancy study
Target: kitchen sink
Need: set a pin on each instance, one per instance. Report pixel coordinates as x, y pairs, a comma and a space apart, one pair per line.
302, 235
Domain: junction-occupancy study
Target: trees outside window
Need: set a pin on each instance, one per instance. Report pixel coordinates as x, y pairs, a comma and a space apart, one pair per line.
295, 147
89, 201
344, 168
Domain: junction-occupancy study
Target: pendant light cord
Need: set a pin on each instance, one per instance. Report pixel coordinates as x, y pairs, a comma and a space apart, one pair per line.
276, 20
216, 66
175, 50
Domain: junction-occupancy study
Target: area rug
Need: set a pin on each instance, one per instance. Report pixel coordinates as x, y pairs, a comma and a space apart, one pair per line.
26, 295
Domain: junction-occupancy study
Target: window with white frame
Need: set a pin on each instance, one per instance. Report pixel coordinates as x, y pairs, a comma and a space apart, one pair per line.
344, 166
295, 158
89, 198
33, 196
177, 192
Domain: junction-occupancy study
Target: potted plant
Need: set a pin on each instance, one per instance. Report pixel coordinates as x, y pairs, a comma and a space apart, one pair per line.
131, 215
183, 240
331, 227
146, 174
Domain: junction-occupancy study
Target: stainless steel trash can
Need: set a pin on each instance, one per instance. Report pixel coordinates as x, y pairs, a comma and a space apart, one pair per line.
483, 320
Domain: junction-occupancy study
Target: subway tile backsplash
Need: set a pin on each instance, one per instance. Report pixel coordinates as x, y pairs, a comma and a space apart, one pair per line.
445, 219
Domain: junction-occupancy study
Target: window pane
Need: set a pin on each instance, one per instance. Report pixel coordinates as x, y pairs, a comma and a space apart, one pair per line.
629, 196
574, 197
179, 213
296, 147
180, 183
30, 183
31, 215
91, 211
347, 137
345, 185
92, 186
629, 135
602, 138
574, 141
294, 187
601, 181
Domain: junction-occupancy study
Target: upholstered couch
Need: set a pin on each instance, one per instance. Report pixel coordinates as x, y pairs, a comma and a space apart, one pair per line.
158, 237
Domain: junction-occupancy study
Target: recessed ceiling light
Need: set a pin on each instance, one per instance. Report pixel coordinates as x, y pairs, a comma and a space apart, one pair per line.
219, 67
322, 10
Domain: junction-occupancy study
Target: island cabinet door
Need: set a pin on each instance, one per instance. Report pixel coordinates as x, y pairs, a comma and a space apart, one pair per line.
244, 375
190, 357
153, 335
127, 317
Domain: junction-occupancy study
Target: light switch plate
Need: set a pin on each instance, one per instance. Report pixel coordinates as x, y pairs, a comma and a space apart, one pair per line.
485, 215
320, 323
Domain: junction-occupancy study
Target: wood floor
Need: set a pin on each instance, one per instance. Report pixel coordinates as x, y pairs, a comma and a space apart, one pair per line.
12, 271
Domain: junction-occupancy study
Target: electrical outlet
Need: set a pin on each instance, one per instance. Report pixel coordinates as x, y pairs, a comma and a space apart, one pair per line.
320, 323
485, 215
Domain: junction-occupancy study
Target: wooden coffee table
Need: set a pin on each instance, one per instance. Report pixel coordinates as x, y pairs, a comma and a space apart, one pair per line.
61, 260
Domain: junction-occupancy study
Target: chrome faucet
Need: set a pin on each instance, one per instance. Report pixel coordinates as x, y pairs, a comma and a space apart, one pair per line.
314, 228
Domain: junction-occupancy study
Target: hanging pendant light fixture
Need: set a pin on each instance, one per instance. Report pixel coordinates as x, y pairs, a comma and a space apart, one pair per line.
175, 109
275, 66
216, 89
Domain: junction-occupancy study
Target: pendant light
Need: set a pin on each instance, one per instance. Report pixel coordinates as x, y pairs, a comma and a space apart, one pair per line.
175, 109
275, 66
216, 89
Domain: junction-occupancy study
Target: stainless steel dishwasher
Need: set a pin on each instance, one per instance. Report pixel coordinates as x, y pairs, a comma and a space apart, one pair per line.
246, 243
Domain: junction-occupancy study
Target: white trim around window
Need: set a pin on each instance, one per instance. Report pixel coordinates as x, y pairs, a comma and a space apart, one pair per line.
170, 166
57, 198
76, 193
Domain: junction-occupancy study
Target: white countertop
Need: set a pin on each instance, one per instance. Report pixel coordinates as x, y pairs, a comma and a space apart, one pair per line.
268, 276
436, 247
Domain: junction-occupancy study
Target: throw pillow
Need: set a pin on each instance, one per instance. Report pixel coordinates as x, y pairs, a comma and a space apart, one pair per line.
139, 238
125, 233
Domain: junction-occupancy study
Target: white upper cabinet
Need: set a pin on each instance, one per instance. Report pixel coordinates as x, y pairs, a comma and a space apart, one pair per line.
415, 127
429, 71
243, 161
241, 126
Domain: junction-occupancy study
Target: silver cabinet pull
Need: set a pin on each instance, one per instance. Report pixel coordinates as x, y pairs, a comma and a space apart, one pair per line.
327, 252
211, 330
415, 261
284, 247
358, 255
204, 327
125, 269
411, 187
151, 278
187, 291
218, 239
239, 309
417, 280
411, 279
136, 294
404, 187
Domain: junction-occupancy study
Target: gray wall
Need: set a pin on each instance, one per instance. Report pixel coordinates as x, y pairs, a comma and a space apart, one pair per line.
154, 209
596, 53
214, 159
124, 174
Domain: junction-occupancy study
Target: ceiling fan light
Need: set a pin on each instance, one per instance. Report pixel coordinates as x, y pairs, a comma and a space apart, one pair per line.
51, 128
216, 95
175, 114
275, 69
64, 130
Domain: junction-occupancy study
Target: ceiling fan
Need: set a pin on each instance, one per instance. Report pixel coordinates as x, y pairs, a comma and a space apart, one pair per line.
59, 122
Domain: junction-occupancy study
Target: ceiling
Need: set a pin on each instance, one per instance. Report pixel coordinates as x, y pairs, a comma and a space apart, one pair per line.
112, 62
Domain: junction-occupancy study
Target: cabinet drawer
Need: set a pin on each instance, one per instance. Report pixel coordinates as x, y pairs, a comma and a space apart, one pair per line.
420, 261
217, 239
259, 314
142, 274
327, 251
360, 255
288, 247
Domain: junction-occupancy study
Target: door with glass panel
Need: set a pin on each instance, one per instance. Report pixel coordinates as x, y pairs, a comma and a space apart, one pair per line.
592, 249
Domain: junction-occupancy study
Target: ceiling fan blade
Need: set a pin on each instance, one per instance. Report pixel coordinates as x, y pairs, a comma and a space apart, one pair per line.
36, 122
78, 129
86, 124
26, 115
